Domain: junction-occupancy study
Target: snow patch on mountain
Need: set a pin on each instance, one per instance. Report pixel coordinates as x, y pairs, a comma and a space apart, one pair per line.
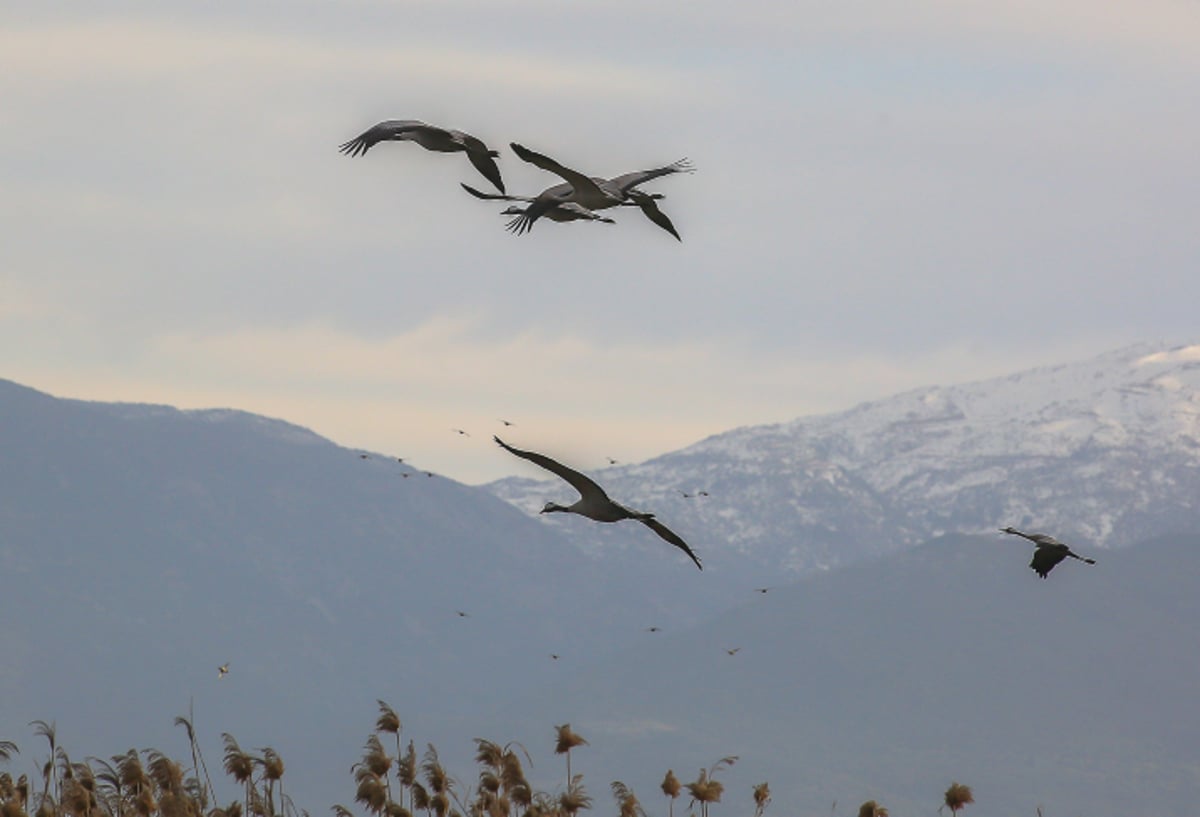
1100, 452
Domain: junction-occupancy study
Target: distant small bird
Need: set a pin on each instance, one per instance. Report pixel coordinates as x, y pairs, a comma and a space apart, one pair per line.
222, 670
406, 474
653, 629
507, 423
611, 461
1048, 553
734, 651
399, 459
686, 495
430, 137
554, 656
364, 456
461, 614
460, 432
593, 502
761, 589
429, 473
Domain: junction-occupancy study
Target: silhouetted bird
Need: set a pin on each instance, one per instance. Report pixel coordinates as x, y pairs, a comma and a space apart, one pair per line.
593, 502
560, 211
222, 670
734, 651
430, 137
593, 192
1048, 553
653, 629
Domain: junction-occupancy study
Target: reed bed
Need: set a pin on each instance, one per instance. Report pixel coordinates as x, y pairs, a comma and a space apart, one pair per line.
390, 779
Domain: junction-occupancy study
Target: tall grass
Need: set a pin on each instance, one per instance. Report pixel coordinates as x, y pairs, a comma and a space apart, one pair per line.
149, 783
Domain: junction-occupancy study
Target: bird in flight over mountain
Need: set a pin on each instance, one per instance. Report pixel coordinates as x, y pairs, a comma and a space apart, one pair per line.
1048, 551
734, 651
430, 137
222, 670
593, 502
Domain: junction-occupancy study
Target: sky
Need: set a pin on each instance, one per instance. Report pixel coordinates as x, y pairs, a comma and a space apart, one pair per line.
886, 196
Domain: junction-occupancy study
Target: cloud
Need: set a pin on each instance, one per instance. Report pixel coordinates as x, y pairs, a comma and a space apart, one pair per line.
888, 196
145, 53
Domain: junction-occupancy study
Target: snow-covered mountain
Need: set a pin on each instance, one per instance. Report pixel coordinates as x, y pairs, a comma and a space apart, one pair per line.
1101, 452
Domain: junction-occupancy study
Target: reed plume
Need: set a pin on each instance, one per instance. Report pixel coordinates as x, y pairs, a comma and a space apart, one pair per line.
48, 731
958, 796
762, 798
565, 741
240, 766
671, 788
706, 789
627, 802
420, 797
272, 772
575, 798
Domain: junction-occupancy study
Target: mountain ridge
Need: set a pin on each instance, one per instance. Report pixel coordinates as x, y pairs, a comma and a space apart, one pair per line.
1100, 451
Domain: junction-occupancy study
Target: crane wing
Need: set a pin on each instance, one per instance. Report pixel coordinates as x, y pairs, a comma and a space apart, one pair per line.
578, 481
672, 537
388, 129
577, 180
628, 181
650, 209
1045, 558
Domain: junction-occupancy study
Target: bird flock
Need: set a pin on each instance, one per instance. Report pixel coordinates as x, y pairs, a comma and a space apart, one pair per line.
576, 198
579, 197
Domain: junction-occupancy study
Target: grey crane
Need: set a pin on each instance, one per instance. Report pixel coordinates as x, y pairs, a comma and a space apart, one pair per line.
594, 192
1048, 551
430, 137
559, 211
565, 211
593, 502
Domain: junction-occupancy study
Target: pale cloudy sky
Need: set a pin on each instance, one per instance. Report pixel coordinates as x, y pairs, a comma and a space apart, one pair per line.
888, 195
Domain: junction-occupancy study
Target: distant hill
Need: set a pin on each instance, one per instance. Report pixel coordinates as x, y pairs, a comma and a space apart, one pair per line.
1101, 452
893, 678
142, 546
